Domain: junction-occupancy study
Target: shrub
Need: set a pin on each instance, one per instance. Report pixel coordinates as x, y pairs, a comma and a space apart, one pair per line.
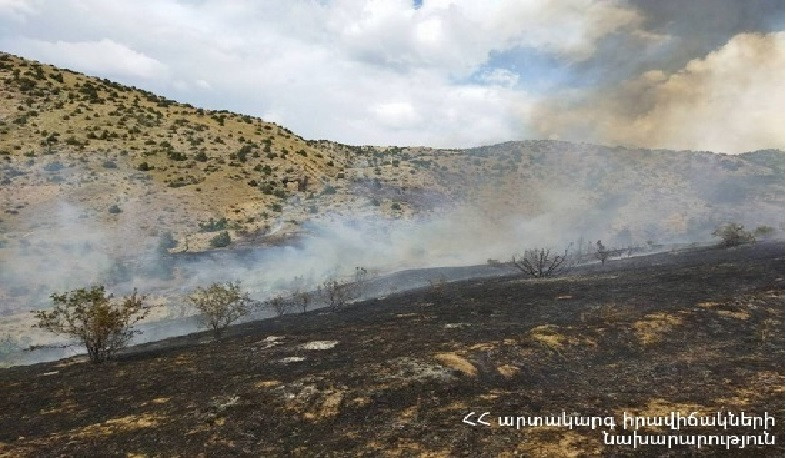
212, 225
54, 166
733, 234
220, 305
221, 240
541, 262
144, 167
90, 315
166, 241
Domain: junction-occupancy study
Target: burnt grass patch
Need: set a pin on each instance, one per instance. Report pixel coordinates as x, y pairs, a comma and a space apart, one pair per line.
696, 330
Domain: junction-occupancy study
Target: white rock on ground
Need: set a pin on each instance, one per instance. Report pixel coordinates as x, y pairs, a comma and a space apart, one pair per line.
319, 345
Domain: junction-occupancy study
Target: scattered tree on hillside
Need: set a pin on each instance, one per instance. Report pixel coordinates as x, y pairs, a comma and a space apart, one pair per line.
733, 234
102, 325
220, 305
542, 262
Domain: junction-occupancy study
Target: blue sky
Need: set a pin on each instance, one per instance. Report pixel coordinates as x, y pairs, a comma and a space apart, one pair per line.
448, 73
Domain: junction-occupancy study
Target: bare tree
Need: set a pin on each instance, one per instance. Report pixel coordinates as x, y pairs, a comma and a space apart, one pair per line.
542, 262
102, 325
361, 277
602, 254
300, 297
338, 293
220, 305
301, 300
279, 304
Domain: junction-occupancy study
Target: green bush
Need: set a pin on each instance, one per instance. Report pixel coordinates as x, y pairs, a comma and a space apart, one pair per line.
144, 167
212, 225
221, 240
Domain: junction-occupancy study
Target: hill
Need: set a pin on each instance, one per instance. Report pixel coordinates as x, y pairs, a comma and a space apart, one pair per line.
693, 331
125, 156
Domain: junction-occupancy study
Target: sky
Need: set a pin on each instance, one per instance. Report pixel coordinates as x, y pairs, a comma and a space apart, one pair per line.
698, 75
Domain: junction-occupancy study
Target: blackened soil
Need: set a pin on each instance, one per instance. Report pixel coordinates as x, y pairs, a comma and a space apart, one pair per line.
694, 331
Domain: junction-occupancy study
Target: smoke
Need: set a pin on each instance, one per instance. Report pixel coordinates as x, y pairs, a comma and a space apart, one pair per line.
549, 194
731, 100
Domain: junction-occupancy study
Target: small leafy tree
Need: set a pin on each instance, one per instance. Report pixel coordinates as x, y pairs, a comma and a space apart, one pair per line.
220, 305
541, 262
733, 234
102, 325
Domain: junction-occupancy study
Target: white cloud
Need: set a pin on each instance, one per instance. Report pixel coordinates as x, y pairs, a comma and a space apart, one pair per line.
396, 114
500, 76
103, 57
356, 71
16, 10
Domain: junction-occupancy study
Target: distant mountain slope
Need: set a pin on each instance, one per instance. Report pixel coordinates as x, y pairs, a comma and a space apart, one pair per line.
128, 158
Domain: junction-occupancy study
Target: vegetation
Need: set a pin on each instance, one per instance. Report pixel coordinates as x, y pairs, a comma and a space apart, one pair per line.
102, 325
602, 253
279, 304
338, 293
541, 262
213, 226
220, 305
733, 234
302, 300
166, 242
221, 240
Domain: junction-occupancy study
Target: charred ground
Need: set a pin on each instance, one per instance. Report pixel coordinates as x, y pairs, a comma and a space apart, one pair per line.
698, 330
